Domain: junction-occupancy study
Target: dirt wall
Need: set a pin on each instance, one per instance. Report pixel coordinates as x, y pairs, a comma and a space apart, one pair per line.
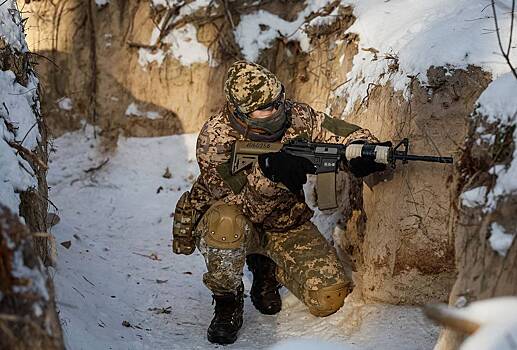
89, 54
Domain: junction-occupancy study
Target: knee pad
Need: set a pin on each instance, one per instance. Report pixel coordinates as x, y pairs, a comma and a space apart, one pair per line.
327, 300
226, 225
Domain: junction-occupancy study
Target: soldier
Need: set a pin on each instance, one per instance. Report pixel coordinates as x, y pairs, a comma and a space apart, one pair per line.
249, 218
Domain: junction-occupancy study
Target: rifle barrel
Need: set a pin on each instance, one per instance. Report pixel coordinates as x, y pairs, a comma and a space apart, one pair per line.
412, 157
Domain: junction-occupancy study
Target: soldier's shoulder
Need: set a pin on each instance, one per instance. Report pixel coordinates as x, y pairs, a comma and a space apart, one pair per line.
216, 132
299, 108
302, 114
217, 123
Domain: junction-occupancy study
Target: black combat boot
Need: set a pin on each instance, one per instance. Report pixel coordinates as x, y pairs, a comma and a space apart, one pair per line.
227, 319
264, 290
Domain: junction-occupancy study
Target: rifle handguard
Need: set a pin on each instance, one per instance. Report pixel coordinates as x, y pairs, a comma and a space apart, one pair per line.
377, 153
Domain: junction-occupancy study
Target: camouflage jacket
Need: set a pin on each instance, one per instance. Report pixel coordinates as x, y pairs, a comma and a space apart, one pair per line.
261, 200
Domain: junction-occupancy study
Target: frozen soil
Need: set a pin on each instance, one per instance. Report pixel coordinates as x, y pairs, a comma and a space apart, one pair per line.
120, 287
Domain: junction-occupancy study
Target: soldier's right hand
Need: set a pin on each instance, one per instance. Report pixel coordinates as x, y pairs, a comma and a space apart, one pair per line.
286, 168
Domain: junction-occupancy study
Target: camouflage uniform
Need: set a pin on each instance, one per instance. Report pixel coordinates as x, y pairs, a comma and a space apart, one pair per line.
267, 219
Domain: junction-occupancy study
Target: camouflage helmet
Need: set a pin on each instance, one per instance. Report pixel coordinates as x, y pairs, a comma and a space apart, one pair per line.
249, 85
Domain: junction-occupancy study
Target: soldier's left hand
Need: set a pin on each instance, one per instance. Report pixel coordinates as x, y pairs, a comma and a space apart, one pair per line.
285, 168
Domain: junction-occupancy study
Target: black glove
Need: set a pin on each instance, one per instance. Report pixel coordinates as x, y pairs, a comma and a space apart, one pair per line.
362, 167
285, 168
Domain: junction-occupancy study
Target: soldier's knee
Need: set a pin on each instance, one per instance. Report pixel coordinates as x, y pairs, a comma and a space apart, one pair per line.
327, 300
226, 226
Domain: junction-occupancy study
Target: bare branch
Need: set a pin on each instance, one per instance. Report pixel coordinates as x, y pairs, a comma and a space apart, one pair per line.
511, 30
28, 154
506, 54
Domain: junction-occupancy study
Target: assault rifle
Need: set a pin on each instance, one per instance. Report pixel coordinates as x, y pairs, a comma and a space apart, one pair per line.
326, 158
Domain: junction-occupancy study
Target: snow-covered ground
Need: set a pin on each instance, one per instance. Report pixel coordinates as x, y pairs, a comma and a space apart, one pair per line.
120, 287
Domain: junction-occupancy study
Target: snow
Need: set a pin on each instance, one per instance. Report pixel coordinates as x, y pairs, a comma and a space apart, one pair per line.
11, 26
133, 110
18, 121
258, 30
308, 344
500, 241
25, 280
37, 285
499, 101
498, 321
182, 42
65, 103
451, 34
474, 197
120, 267
102, 3
147, 56
185, 47
500, 336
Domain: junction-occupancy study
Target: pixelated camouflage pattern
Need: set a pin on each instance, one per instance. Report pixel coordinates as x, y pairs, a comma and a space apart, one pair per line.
305, 259
261, 200
249, 86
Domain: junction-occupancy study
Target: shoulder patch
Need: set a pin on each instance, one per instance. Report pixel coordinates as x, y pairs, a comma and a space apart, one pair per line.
338, 126
235, 182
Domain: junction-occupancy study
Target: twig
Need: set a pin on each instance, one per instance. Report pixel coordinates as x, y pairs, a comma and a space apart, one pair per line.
28, 154
151, 256
511, 30
87, 280
45, 57
27, 133
90, 170
6, 109
132, 44
77, 290
228, 14
506, 54
444, 316
367, 97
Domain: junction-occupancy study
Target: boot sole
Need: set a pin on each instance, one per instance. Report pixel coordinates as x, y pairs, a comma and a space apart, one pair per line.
223, 340
266, 311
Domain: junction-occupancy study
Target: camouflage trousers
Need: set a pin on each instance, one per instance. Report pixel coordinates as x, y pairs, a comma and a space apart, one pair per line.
306, 263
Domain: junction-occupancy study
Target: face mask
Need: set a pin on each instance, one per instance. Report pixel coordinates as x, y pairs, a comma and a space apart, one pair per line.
271, 125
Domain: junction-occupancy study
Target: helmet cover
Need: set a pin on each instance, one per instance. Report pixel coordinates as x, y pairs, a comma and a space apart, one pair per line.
249, 86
